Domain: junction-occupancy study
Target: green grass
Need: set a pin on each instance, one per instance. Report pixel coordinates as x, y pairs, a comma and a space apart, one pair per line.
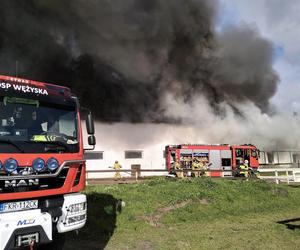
190, 214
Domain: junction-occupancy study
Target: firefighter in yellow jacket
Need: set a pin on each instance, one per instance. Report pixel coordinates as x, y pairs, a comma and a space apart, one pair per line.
244, 169
178, 169
196, 168
117, 167
203, 167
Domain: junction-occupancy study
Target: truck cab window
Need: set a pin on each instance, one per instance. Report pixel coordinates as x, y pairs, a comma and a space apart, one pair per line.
254, 153
27, 120
238, 152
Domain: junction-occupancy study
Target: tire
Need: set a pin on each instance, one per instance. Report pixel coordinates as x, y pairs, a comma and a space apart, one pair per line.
236, 173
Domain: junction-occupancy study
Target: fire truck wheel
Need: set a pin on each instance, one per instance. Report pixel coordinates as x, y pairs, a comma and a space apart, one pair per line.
236, 173
57, 243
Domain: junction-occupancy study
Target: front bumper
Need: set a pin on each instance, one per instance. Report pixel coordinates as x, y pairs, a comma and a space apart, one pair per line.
16, 227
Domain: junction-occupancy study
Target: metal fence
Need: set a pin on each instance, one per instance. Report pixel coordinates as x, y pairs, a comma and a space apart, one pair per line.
136, 174
287, 175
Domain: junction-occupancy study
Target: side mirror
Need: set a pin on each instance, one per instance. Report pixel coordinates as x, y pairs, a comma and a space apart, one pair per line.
90, 125
92, 140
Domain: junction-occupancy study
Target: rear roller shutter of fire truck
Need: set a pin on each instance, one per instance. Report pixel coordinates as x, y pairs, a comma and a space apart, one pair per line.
226, 162
215, 163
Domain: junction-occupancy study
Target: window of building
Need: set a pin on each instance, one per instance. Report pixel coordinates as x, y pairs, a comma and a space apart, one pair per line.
95, 155
133, 154
270, 157
296, 158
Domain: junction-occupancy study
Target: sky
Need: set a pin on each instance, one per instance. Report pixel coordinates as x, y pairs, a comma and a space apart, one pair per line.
277, 21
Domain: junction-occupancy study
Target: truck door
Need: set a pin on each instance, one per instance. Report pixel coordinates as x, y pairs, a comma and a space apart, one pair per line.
169, 155
239, 156
254, 156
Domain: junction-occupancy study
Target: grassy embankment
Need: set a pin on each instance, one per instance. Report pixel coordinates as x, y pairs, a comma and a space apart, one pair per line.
190, 214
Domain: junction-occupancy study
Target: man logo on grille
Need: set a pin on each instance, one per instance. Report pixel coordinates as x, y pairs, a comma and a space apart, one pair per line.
22, 183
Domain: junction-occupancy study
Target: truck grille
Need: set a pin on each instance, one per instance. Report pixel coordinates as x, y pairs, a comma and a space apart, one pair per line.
34, 184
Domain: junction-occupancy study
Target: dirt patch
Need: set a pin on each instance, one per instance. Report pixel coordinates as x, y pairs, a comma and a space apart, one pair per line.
204, 202
167, 209
145, 245
154, 220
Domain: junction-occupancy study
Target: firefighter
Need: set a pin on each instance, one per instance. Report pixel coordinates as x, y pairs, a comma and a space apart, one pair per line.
178, 169
117, 167
244, 169
203, 167
196, 168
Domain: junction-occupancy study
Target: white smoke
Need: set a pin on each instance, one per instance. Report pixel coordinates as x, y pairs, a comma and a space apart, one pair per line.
201, 125
279, 131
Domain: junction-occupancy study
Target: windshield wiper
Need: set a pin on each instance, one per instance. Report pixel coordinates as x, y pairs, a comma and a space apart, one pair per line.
8, 141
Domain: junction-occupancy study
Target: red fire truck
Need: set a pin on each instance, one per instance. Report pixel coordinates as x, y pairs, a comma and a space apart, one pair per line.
42, 168
222, 160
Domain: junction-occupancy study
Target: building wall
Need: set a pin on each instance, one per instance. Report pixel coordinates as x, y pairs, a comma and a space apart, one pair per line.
280, 157
152, 158
114, 139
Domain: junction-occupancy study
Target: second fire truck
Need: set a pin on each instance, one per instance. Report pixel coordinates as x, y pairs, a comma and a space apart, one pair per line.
223, 160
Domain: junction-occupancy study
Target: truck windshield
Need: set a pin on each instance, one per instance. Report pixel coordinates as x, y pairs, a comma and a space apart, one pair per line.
31, 125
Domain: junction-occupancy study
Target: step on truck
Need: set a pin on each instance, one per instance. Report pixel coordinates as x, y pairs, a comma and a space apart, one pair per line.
42, 166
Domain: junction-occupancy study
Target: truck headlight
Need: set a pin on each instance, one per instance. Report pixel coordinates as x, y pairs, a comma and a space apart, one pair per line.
75, 219
76, 208
38, 164
52, 164
76, 213
10, 165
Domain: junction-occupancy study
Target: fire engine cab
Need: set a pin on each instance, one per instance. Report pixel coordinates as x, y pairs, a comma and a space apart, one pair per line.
221, 160
42, 168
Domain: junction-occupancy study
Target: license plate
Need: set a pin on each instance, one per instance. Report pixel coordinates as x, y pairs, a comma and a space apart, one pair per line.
18, 206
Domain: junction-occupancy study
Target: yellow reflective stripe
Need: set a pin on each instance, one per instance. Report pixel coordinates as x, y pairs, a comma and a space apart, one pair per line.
39, 138
44, 138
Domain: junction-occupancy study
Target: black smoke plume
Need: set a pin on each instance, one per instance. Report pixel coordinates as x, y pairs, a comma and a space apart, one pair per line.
123, 57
